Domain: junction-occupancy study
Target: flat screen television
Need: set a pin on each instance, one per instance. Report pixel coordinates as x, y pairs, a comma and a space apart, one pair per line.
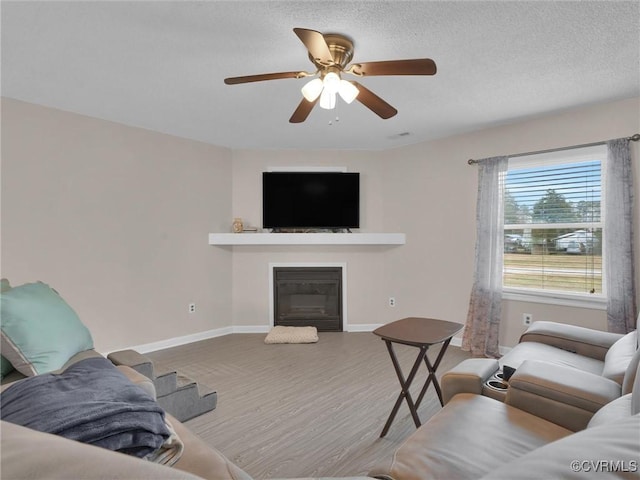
299, 200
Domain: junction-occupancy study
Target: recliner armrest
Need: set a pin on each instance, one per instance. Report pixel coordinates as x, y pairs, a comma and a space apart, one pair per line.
467, 377
563, 395
581, 340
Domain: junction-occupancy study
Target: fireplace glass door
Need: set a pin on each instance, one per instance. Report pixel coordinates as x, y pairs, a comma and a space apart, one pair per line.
308, 296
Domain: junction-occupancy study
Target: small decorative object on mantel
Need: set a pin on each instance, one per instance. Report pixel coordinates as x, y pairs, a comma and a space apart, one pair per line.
250, 230
237, 225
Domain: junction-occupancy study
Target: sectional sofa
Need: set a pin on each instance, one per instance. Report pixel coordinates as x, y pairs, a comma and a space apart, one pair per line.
473, 436
476, 436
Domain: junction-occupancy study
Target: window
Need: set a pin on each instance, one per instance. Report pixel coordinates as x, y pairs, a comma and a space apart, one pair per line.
553, 224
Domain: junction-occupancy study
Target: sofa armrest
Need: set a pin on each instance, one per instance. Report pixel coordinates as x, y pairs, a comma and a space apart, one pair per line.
201, 459
138, 379
29, 454
467, 377
563, 395
580, 340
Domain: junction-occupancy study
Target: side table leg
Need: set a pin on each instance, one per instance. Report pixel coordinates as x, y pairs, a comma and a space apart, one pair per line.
432, 374
405, 384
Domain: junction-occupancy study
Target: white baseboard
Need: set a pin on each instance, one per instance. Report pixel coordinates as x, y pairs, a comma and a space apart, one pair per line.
365, 327
220, 332
177, 341
251, 329
195, 337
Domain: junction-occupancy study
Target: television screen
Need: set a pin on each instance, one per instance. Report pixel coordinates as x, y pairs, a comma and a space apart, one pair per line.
328, 200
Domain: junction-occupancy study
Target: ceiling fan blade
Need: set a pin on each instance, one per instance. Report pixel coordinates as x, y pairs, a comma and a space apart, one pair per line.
418, 66
374, 102
261, 77
316, 44
303, 111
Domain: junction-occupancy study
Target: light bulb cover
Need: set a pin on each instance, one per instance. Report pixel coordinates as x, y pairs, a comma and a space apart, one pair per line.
327, 99
331, 82
312, 89
348, 91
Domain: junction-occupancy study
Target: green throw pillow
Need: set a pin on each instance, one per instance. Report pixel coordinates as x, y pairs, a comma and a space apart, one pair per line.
40, 331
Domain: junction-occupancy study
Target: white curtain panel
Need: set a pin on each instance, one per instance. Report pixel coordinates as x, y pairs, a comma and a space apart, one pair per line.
480, 335
618, 241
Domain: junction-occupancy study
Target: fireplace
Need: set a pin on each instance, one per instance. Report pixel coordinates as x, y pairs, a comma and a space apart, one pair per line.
308, 296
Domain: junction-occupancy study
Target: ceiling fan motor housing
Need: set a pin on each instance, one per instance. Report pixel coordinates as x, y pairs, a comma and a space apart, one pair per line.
341, 49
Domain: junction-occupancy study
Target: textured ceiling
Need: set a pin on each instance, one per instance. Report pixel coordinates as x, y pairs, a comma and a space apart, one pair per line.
161, 65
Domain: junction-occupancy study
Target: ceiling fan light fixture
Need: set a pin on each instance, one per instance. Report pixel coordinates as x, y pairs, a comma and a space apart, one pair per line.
331, 54
327, 99
331, 82
312, 90
348, 91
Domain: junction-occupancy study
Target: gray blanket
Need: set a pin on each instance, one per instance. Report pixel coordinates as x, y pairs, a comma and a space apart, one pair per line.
91, 402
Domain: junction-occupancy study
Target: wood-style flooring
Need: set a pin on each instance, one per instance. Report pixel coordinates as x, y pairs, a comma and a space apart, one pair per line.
303, 410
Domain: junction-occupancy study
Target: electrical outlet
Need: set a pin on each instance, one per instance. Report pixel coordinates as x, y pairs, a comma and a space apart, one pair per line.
392, 301
527, 318
192, 307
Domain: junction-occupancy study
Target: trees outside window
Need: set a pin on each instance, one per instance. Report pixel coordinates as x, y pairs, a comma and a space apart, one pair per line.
552, 222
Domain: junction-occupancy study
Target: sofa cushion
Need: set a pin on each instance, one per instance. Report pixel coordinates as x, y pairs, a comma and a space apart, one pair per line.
631, 373
563, 395
467, 438
612, 411
635, 394
606, 451
619, 356
540, 351
581, 340
40, 331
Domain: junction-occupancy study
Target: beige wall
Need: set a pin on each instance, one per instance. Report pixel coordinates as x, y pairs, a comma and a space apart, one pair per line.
429, 192
116, 219
366, 297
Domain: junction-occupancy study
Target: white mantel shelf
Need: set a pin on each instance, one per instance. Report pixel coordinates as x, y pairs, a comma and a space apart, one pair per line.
307, 239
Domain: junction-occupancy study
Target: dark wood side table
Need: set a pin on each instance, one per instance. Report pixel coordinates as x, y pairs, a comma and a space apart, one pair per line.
421, 333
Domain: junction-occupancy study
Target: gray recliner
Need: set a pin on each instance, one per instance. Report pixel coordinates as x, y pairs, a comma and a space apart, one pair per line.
476, 437
601, 353
567, 369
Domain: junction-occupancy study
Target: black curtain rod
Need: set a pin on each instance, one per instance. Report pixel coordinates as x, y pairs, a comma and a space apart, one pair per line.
633, 138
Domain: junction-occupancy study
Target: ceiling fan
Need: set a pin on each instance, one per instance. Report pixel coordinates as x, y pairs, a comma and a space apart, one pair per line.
331, 53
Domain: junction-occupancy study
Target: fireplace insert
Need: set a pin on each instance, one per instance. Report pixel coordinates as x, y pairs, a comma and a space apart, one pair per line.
308, 296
